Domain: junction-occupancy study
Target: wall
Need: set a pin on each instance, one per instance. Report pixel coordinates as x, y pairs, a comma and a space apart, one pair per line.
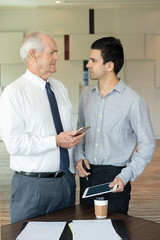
138, 29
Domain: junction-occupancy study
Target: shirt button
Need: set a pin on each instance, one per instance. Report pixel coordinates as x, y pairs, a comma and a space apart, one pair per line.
95, 159
96, 145
102, 100
98, 130
100, 115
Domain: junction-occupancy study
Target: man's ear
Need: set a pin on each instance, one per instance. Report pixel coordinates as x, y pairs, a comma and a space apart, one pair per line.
110, 66
33, 55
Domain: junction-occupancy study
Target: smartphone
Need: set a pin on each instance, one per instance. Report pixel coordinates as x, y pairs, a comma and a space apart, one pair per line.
82, 130
98, 189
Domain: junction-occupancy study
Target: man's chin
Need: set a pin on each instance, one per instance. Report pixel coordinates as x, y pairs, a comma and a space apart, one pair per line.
53, 70
92, 78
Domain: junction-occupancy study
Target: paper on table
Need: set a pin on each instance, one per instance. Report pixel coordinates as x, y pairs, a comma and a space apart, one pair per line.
94, 229
42, 230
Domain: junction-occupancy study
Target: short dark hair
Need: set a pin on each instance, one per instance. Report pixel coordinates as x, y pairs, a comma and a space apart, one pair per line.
111, 50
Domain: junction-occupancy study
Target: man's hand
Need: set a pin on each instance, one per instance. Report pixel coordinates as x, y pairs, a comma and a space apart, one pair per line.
79, 167
120, 184
68, 139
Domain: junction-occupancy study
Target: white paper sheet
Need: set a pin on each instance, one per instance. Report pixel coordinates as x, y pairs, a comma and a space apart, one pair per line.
93, 229
42, 231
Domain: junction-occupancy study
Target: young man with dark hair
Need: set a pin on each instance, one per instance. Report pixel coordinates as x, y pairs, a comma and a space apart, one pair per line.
119, 120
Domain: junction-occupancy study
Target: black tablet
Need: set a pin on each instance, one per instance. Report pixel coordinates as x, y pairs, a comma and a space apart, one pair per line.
98, 189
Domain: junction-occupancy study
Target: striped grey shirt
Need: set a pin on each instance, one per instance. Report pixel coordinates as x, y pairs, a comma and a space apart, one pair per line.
119, 121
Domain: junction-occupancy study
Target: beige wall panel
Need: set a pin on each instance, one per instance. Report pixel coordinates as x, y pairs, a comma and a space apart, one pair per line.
133, 45
9, 47
10, 72
62, 21
92, 82
158, 73
152, 46
142, 20
69, 71
71, 74
80, 45
74, 92
155, 116
104, 20
140, 75
14, 20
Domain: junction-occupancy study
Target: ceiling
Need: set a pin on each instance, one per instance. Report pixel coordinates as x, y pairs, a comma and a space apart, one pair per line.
78, 3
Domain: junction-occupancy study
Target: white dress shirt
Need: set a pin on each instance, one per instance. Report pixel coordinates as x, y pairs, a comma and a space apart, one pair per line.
27, 127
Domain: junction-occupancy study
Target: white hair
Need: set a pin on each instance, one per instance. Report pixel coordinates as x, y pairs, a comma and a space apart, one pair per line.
32, 41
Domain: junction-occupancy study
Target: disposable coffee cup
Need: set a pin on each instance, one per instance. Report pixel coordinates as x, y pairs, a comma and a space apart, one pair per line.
101, 207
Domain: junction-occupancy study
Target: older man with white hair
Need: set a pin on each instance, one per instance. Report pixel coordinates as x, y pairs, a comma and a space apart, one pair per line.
38, 138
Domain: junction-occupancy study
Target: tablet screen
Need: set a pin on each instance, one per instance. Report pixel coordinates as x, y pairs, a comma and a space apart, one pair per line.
99, 189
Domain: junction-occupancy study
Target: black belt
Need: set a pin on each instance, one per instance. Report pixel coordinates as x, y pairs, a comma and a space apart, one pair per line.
106, 166
43, 174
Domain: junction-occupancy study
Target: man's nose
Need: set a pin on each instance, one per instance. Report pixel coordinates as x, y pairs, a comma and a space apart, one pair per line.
56, 57
87, 66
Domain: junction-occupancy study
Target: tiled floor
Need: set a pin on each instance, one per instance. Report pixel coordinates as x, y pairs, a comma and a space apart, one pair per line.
145, 202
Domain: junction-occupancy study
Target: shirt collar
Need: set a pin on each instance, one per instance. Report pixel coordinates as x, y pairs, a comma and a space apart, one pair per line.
36, 80
120, 86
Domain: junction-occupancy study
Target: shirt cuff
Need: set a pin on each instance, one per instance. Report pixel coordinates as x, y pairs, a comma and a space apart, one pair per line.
125, 175
50, 142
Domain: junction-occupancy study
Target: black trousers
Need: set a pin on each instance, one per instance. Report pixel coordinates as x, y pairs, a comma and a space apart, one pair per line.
117, 202
33, 196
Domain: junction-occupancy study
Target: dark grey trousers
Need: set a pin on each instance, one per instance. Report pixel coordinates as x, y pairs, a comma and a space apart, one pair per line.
33, 196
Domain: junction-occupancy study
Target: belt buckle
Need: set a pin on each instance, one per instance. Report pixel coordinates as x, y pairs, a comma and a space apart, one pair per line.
59, 174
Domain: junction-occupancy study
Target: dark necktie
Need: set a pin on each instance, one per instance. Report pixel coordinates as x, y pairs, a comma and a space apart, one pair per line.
64, 157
